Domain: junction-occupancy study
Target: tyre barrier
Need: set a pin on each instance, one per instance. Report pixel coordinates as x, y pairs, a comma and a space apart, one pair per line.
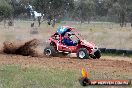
120, 51
129, 52
102, 50
110, 51
116, 51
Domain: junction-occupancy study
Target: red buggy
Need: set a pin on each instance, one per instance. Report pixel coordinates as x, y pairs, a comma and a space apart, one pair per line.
83, 49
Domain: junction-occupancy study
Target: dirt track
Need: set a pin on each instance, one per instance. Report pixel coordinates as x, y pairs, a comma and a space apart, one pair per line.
105, 63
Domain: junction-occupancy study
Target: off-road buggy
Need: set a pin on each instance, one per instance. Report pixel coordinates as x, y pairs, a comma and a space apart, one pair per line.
83, 49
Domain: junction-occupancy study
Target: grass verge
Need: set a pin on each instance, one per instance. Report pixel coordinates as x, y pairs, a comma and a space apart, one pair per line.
17, 77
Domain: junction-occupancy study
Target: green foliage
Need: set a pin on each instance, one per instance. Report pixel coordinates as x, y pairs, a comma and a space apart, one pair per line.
118, 10
81, 10
25, 2
102, 7
19, 7
5, 9
53, 8
84, 9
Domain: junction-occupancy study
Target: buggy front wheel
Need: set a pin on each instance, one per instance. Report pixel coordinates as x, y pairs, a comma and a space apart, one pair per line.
83, 53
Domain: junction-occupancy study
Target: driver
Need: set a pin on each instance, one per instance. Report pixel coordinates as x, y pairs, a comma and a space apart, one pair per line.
67, 40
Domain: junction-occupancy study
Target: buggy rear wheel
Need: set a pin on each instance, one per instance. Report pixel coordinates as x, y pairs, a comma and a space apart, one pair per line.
50, 51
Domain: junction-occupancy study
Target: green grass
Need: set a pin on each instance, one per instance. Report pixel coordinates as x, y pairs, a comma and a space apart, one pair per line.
17, 77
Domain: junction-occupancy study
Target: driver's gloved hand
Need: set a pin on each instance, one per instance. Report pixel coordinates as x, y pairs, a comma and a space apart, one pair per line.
78, 41
75, 42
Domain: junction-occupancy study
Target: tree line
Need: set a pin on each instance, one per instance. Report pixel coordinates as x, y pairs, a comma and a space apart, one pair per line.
79, 10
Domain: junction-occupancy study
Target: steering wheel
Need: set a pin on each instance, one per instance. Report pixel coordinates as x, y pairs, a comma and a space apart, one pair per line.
78, 41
